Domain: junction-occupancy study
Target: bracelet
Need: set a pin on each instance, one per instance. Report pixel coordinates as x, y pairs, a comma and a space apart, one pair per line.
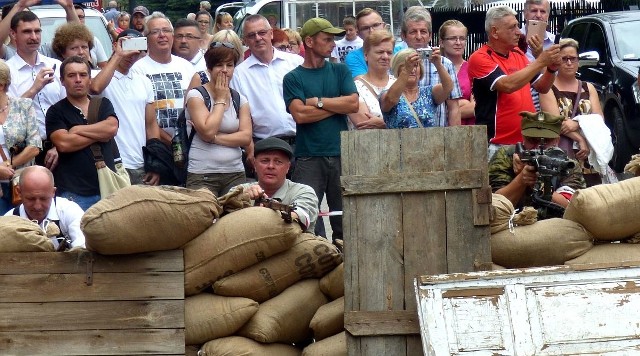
219, 102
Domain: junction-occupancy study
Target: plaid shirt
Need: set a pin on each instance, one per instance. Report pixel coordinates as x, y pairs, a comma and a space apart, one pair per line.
431, 78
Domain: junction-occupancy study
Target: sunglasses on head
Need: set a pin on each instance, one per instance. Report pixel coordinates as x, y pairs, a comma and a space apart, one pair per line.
222, 44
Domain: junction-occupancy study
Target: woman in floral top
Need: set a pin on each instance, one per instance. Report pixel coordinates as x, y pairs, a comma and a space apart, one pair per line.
19, 133
405, 99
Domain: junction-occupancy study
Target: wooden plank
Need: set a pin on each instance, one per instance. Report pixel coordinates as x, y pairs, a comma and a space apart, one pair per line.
94, 342
75, 262
106, 286
388, 322
412, 182
159, 314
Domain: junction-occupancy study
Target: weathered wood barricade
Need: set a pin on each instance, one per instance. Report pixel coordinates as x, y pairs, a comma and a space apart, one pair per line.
416, 202
81, 303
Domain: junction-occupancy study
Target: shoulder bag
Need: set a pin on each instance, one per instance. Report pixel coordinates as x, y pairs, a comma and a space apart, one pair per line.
108, 180
413, 112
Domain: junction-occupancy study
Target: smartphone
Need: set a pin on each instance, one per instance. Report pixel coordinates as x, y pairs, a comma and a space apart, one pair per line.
535, 27
135, 44
557, 40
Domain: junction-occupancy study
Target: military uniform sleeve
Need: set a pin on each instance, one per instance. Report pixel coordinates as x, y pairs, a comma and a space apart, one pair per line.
501, 168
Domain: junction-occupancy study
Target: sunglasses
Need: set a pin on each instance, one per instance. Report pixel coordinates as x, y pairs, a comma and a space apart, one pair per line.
223, 44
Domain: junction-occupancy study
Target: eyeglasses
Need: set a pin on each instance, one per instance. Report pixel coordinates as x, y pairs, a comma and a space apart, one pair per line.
254, 35
456, 39
222, 44
222, 13
158, 31
187, 36
570, 59
284, 48
375, 26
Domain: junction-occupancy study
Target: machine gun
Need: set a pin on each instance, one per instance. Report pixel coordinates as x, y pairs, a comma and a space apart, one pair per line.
550, 163
284, 209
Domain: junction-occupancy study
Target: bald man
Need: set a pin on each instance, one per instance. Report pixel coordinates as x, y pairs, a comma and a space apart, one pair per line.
40, 204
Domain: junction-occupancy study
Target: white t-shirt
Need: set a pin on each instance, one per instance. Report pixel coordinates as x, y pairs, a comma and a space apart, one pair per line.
372, 99
170, 82
207, 157
130, 95
344, 46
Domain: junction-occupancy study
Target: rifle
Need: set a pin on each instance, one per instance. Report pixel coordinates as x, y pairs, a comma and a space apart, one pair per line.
550, 163
277, 205
64, 243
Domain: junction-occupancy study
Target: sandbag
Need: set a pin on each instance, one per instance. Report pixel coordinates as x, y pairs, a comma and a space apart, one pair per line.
234, 200
191, 350
332, 285
608, 253
328, 320
545, 243
241, 346
286, 317
235, 242
208, 317
309, 257
335, 345
21, 235
502, 211
608, 211
144, 218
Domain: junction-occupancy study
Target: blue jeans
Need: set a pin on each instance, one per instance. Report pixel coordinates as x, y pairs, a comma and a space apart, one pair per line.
323, 175
84, 201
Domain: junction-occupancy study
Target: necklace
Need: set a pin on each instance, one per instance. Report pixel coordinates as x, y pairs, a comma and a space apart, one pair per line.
4, 108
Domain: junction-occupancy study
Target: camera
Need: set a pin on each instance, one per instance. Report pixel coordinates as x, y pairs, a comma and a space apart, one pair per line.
425, 53
135, 44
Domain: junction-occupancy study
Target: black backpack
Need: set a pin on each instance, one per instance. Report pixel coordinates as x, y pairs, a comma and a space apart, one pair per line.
181, 125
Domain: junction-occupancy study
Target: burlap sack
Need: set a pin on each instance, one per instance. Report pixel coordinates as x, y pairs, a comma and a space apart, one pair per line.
335, 345
21, 235
608, 211
328, 320
235, 242
608, 253
332, 285
191, 350
502, 211
545, 243
286, 317
146, 218
208, 316
234, 200
310, 257
241, 346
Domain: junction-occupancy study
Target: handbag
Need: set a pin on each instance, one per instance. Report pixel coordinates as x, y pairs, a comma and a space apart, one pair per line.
108, 180
16, 197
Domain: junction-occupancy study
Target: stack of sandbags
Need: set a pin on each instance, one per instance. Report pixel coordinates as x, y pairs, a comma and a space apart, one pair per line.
247, 257
21, 235
143, 218
611, 213
328, 322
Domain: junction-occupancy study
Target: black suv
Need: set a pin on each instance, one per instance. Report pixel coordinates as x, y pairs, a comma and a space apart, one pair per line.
609, 58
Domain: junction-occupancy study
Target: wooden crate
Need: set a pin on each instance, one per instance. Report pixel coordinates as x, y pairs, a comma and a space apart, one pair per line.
416, 202
552, 311
80, 303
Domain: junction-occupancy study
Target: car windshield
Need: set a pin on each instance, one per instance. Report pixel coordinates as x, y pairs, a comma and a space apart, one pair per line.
627, 44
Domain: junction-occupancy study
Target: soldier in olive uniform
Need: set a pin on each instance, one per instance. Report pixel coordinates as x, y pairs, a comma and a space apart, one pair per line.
510, 177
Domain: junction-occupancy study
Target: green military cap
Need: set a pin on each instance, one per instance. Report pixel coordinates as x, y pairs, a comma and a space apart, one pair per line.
541, 124
317, 24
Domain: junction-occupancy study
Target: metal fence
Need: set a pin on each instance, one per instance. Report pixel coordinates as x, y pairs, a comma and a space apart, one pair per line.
473, 17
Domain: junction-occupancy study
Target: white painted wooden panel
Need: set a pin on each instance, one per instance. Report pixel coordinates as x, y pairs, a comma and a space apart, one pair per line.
560, 310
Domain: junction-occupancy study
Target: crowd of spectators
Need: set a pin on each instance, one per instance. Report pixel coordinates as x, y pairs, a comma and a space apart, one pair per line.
302, 86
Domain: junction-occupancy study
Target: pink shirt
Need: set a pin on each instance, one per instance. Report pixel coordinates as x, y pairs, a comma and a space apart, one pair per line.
465, 88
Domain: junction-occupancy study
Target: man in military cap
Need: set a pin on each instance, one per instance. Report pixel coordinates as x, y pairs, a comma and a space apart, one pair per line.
515, 180
272, 161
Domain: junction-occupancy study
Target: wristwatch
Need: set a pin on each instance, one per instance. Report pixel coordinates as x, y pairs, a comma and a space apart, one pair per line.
320, 104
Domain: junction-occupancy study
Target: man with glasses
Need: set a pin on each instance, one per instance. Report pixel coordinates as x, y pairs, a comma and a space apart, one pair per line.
170, 75
502, 76
367, 20
537, 10
186, 44
132, 97
259, 78
416, 32
273, 160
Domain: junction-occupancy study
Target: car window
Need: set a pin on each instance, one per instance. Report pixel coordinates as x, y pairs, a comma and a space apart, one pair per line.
624, 37
577, 33
595, 41
95, 24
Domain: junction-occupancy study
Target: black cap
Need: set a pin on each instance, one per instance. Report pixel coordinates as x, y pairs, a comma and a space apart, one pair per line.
130, 32
270, 144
